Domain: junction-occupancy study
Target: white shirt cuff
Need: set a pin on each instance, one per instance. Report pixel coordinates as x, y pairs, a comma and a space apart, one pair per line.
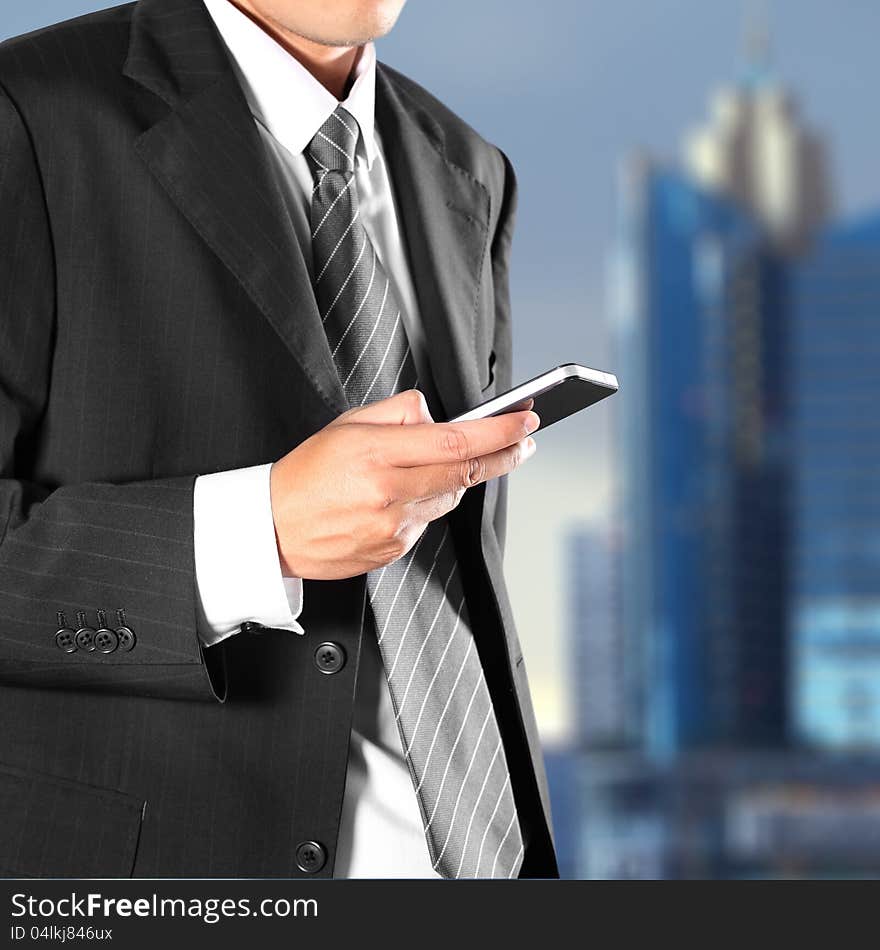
238, 573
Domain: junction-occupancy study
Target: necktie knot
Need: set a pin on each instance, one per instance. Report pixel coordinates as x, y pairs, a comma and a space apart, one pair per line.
334, 144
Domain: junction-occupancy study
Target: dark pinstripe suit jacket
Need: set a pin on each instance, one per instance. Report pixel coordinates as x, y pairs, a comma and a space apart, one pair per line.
157, 322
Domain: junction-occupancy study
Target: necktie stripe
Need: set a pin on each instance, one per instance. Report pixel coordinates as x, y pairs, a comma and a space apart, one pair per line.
489, 824
344, 283
357, 362
418, 601
467, 773
338, 148
339, 119
408, 560
501, 846
476, 808
379, 576
318, 183
379, 369
357, 312
458, 736
418, 607
396, 340
342, 237
333, 204
449, 698
517, 860
475, 790
403, 363
427, 637
427, 696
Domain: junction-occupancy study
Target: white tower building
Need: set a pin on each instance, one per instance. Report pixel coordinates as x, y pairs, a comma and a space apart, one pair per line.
755, 149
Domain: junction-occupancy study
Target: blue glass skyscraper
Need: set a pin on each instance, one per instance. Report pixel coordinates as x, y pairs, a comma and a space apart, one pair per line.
748, 335
601, 683
700, 321
835, 626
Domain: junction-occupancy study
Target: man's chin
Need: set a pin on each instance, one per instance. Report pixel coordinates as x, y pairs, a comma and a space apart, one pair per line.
358, 39
344, 44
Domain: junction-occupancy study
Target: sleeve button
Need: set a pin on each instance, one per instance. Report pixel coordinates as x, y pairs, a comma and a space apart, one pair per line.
85, 635
65, 640
124, 633
85, 639
126, 638
106, 641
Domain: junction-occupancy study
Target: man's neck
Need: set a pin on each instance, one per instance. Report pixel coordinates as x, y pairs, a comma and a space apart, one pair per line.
332, 66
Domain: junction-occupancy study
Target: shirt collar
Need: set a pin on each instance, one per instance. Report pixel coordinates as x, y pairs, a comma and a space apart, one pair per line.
282, 94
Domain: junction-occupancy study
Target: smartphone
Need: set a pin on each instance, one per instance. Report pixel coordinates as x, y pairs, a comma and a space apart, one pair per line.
558, 393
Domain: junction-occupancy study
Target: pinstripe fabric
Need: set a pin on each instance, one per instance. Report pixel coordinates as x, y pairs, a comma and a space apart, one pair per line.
441, 700
126, 356
22, 793
157, 321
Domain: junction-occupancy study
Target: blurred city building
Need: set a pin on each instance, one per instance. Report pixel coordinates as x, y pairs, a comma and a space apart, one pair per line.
563, 767
702, 572
726, 635
835, 581
604, 712
755, 150
728, 814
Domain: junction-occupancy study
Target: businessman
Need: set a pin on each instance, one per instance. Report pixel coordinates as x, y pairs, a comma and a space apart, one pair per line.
252, 613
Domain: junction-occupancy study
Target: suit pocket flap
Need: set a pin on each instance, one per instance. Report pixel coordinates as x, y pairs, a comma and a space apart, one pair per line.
55, 827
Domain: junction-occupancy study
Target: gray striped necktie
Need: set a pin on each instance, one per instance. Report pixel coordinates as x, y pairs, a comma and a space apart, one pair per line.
438, 690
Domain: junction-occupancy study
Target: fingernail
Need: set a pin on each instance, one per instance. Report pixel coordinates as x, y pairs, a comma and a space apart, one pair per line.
530, 447
532, 421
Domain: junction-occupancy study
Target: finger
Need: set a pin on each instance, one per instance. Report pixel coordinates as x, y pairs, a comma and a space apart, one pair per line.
416, 485
404, 408
432, 508
439, 442
522, 405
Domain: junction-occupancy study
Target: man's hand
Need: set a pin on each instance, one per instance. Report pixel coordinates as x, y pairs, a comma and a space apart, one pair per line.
358, 494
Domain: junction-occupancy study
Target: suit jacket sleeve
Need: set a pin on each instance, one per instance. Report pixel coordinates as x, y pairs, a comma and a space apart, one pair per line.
79, 546
502, 344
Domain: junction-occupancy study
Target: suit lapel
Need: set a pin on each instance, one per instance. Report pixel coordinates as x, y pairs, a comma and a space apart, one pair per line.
207, 154
443, 213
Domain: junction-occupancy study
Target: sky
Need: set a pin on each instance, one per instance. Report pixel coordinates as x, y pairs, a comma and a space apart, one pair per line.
567, 88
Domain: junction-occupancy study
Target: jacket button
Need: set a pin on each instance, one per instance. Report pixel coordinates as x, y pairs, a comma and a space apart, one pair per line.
310, 857
85, 639
106, 640
85, 635
65, 640
126, 638
329, 657
124, 633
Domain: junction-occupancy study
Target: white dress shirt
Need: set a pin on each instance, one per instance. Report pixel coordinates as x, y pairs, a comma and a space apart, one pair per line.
237, 567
